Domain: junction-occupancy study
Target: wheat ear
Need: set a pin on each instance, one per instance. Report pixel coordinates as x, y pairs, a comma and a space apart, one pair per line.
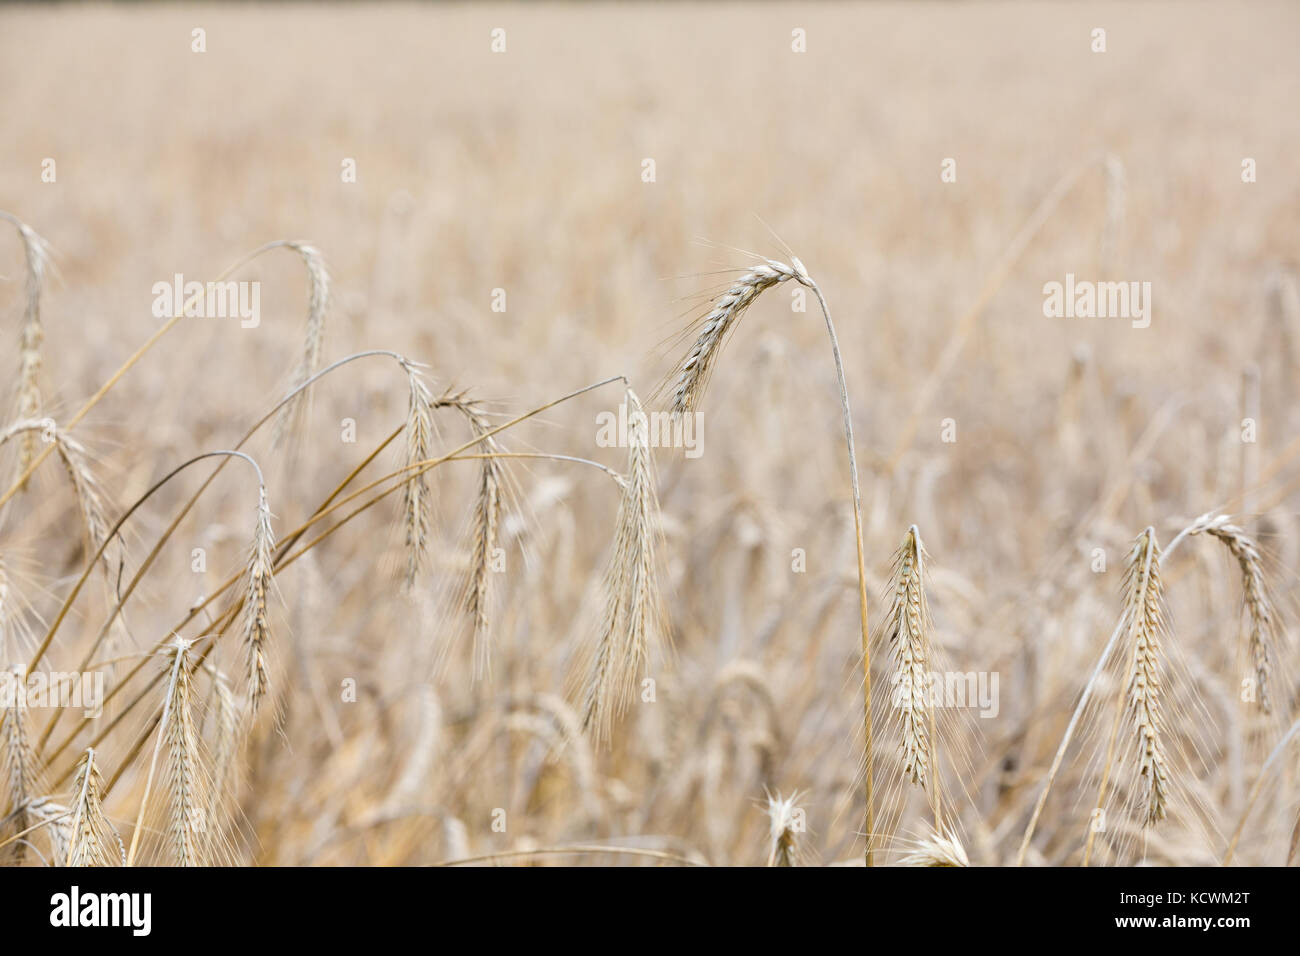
313, 340
908, 631
784, 846
56, 820
1263, 618
415, 490
632, 621
94, 840
36, 251
91, 500
18, 762
257, 630
940, 848
178, 744
694, 371
485, 526
1144, 623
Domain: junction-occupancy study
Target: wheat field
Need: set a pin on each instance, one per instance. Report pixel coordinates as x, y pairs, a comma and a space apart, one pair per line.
441, 552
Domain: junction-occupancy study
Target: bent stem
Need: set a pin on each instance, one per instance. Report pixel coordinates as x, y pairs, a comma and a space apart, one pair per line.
284, 558
869, 821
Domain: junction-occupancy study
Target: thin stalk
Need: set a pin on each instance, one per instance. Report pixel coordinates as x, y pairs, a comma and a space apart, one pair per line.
845, 407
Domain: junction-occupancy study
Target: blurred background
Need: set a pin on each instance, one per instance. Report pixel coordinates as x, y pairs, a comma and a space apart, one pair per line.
525, 171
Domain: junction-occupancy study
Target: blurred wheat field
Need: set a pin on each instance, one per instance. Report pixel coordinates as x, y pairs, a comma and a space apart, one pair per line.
1030, 452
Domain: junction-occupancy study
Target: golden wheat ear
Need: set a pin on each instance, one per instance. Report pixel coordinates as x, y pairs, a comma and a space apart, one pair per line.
19, 762
938, 848
258, 584
94, 840
908, 634
632, 624
782, 830
1143, 624
37, 253
1264, 631
182, 837
475, 595
415, 490
692, 374
291, 416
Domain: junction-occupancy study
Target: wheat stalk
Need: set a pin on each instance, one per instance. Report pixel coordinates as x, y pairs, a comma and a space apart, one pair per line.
691, 378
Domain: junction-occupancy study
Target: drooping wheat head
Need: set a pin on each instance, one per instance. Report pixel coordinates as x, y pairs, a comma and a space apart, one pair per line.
32, 334
291, 414
692, 375
632, 621
91, 499
1264, 621
484, 526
